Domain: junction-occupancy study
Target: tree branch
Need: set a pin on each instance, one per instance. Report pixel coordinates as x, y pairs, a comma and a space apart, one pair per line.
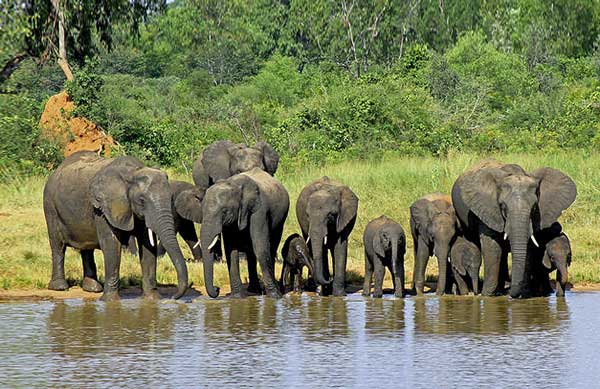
11, 66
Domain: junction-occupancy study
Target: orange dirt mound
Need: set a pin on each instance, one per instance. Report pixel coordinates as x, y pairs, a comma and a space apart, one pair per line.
72, 133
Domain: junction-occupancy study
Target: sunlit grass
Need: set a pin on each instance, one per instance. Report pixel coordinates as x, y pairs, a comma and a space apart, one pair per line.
387, 187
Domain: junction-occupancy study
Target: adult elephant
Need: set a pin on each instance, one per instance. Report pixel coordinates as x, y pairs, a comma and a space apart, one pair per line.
496, 202
326, 211
224, 159
95, 203
433, 225
249, 209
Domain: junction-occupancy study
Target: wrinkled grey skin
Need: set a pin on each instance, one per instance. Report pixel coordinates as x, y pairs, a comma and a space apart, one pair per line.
385, 245
433, 226
249, 209
95, 203
494, 201
326, 210
554, 253
296, 255
224, 159
465, 259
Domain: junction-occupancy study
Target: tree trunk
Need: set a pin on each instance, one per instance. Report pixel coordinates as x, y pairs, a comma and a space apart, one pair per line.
11, 66
62, 48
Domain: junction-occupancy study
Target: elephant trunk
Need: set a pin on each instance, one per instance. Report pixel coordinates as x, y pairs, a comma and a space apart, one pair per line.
308, 262
441, 251
166, 233
562, 277
519, 238
475, 283
319, 256
395, 257
209, 236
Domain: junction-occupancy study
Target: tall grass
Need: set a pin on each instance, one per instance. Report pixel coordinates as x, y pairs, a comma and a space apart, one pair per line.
384, 187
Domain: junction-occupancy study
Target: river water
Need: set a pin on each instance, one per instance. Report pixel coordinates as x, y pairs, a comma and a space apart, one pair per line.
303, 341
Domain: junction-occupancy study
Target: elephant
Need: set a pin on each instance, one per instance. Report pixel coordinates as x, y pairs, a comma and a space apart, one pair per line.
326, 211
465, 259
434, 226
95, 203
554, 253
249, 209
224, 159
498, 202
385, 245
295, 254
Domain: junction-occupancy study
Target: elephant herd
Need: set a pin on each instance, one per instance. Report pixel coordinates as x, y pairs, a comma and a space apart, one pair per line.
95, 203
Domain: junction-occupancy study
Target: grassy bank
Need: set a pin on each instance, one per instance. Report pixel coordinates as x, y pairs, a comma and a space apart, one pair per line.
387, 187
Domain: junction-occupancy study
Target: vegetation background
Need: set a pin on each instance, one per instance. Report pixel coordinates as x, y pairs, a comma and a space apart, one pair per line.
392, 97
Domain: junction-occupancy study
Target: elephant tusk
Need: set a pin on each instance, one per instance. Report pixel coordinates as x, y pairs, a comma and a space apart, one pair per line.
197, 244
213, 243
534, 241
325, 240
151, 237
307, 240
505, 236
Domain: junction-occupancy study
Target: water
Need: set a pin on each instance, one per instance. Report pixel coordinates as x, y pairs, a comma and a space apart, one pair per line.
300, 341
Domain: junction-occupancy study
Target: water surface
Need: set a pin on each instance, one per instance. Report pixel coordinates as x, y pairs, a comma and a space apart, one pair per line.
301, 340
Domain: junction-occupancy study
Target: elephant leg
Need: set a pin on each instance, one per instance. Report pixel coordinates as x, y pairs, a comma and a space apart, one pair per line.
295, 279
442, 276
90, 276
260, 238
492, 253
398, 278
58, 281
254, 281
233, 264
110, 244
188, 233
421, 259
368, 275
463, 288
340, 255
560, 290
504, 276
147, 254
379, 274
282, 279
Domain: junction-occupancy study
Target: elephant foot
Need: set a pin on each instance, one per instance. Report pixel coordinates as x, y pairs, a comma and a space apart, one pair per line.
275, 293
60, 284
254, 289
439, 292
152, 295
91, 285
342, 292
110, 296
237, 294
399, 293
376, 294
366, 294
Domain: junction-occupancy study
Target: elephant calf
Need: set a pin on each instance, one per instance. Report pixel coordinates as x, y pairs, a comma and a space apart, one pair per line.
295, 255
433, 225
554, 253
465, 258
385, 246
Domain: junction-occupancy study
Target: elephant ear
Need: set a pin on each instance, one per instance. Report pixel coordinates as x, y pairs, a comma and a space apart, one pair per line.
188, 204
457, 259
216, 160
348, 208
270, 157
479, 191
377, 246
420, 212
108, 190
250, 198
546, 261
557, 192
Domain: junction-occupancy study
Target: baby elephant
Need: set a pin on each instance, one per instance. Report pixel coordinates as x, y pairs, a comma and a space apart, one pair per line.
385, 245
465, 258
557, 256
295, 256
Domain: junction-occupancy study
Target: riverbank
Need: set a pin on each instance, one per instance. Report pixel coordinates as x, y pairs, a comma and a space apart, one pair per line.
385, 187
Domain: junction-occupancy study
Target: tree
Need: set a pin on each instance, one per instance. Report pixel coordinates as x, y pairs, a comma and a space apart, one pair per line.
62, 29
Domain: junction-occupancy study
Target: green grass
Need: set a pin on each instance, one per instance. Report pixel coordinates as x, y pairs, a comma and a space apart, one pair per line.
386, 187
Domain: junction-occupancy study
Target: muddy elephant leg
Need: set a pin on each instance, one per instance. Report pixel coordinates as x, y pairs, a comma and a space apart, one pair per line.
421, 259
259, 236
340, 255
90, 276
379, 274
368, 275
188, 233
58, 281
254, 281
492, 253
147, 253
233, 264
110, 244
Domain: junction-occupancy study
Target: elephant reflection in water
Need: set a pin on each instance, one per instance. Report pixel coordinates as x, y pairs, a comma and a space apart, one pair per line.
384, 317
325, 318
488, 316
251, 316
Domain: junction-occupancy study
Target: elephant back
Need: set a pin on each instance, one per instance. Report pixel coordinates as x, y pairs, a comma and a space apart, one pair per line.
271, 190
